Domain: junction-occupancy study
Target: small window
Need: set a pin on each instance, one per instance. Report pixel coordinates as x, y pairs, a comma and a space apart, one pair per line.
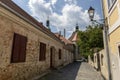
119, 50
95, 59
19, 48
102, 59
60, 55
42, 55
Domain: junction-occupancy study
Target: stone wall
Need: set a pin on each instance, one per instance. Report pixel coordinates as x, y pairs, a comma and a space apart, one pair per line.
103, 63
10, 24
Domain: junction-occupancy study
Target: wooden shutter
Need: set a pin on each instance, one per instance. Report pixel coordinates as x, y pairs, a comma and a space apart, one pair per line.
19, 48
59, 53
42, 55
44, 51
15, 49
119, 50
22, 54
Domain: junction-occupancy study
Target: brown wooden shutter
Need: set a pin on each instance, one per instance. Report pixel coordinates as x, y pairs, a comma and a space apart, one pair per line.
59, 53
22, 54
119, 50
15, 49
42, 51
40, 55
19, 48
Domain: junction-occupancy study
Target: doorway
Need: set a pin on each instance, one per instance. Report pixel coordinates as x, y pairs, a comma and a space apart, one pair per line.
98, 62
52, 57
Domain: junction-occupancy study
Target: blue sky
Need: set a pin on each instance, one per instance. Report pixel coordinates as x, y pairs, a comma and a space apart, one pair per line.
62, 13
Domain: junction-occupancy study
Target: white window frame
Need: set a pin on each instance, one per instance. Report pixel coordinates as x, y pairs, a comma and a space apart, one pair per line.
111, 4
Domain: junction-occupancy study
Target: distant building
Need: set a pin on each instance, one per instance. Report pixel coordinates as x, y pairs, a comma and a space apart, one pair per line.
74, 38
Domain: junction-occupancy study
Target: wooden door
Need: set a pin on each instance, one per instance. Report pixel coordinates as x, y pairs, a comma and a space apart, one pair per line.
51, 58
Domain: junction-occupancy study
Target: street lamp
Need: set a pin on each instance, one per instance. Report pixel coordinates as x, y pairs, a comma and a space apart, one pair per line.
91, 13
105, 37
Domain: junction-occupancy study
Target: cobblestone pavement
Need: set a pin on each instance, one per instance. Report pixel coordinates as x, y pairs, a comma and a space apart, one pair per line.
74, 71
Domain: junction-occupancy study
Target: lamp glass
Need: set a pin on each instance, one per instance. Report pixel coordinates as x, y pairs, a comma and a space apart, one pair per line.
91, 13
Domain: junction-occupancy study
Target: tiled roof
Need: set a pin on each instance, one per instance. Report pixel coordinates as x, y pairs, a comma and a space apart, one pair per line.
11, 6
74, 36
68, 44
66, 41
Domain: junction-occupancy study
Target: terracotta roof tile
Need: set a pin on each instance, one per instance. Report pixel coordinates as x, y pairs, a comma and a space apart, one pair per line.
66, 41
74, 37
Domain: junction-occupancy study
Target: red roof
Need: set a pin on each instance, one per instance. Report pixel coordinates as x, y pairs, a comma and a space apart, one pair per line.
74, 36
66, 41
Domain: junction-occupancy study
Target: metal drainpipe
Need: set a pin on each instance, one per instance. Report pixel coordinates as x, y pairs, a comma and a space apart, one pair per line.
106, 44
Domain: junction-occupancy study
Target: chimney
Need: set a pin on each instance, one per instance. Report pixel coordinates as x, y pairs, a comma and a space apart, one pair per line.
64, 33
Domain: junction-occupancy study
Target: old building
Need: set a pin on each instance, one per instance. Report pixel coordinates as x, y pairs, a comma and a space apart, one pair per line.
74, 38
27, 48
111, 10
68, 48
100, 63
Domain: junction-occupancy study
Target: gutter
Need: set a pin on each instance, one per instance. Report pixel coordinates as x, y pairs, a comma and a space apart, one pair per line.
106, 44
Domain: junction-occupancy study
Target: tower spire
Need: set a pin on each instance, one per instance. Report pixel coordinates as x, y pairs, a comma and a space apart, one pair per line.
48, 23
77, 27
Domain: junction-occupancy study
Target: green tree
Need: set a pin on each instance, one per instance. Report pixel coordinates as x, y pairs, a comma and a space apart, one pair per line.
89, 40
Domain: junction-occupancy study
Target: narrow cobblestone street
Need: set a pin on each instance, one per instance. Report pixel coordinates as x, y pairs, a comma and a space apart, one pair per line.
74, 71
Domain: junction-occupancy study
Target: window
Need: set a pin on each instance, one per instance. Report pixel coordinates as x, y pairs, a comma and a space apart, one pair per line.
111, 3
102, 59
19, 48
119, 50
42, 54
95, 59
60, 54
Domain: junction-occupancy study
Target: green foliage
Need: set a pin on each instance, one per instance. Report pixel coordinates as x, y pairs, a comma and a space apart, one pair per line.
90, 40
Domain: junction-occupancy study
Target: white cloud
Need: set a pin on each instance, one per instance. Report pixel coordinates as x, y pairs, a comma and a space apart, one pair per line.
53, 1
70, 15
71, 1
40, 9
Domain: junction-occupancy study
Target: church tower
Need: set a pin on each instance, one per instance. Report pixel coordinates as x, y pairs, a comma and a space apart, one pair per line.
77, 27
48, 23
74, 38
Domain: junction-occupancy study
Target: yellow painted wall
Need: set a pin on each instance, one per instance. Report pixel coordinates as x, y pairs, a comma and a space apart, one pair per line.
114, 40
105, 8
113, 16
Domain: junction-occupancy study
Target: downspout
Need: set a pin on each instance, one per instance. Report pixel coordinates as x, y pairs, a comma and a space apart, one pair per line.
106, 44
